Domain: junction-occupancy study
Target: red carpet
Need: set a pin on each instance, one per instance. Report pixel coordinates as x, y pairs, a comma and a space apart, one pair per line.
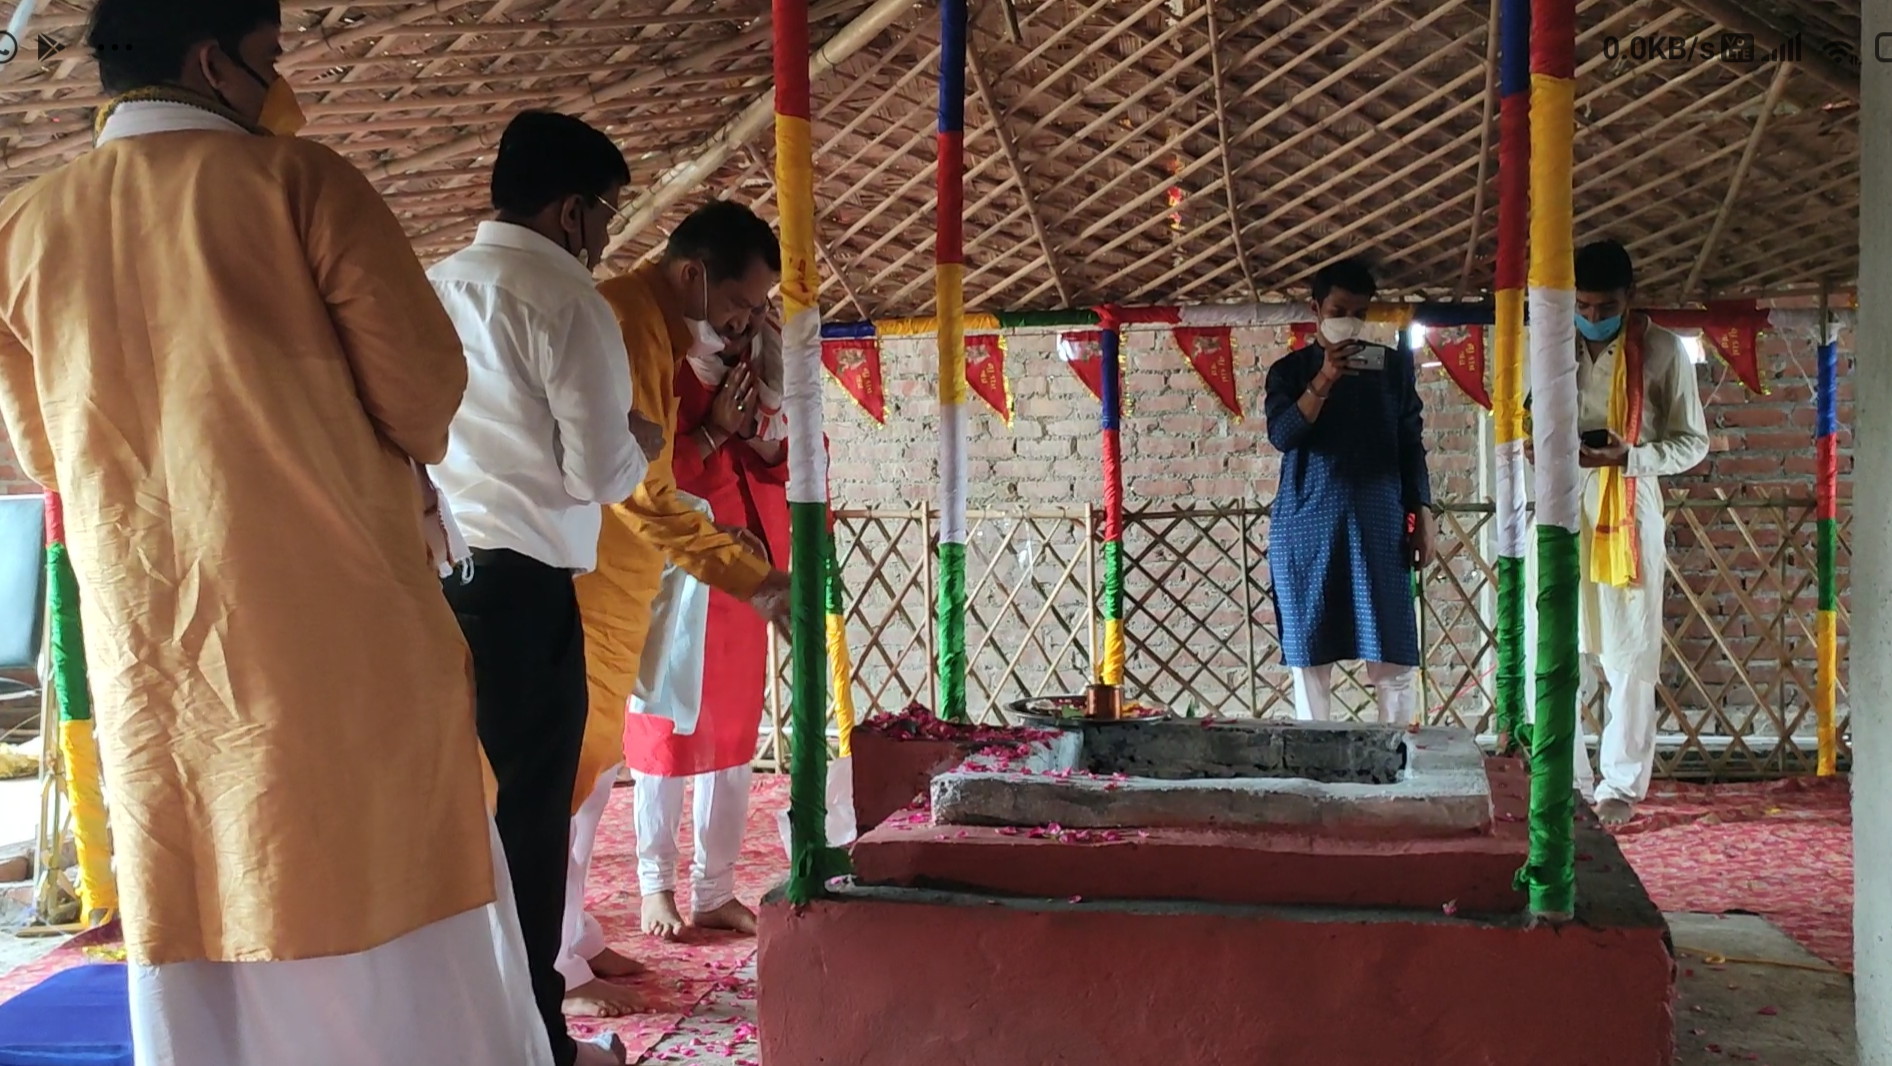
1782, 850
681, 974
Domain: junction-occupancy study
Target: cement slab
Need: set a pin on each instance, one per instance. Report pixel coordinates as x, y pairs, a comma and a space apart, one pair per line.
1746, 989
1147, 773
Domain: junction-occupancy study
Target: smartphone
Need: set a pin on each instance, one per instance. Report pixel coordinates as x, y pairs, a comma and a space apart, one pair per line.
1596, 438
1369, 357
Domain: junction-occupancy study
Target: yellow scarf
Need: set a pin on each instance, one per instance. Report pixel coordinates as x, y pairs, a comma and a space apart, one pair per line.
1614, 558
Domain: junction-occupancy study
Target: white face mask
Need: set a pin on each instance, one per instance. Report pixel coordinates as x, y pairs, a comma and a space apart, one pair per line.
705, 341
1341, 330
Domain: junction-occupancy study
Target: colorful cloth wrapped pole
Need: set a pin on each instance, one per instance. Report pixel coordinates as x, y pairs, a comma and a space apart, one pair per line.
1827, 681
1110, 657
1507, 371
78, 744
1549, 875
811, 860
950, 277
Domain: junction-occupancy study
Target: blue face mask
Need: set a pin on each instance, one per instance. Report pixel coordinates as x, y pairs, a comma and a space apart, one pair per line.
1599, 331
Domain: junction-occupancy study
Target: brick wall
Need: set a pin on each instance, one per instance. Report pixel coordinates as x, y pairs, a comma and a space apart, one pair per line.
1739, 606
1179, 446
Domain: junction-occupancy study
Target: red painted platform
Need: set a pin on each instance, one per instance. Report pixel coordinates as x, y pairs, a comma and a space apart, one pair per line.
883, 976
1472, 874
890, 771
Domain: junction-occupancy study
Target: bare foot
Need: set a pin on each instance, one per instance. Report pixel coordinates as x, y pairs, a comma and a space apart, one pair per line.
661, 917
732, 916
1615, 812
609, 963
601, 999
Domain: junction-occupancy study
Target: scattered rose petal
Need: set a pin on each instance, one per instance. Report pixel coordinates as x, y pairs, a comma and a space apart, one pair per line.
1075, 899
1769, 1011
1451, 908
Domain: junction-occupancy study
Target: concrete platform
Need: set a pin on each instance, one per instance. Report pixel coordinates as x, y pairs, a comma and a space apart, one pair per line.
1471, 874
879, 975
1334, 777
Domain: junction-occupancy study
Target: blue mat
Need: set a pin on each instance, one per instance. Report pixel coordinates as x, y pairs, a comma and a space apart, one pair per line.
79, 1017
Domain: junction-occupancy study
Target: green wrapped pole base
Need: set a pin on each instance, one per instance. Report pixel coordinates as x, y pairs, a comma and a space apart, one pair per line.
811, 861
1550, 874
950, 618
1513, 735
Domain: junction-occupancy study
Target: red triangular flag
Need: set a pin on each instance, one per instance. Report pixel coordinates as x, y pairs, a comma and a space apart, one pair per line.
855, 364
1461, 351
985, 372
1739, 346
1084, 353
1212, 353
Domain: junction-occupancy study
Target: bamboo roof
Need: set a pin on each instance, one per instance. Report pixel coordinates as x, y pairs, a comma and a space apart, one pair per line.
1128, 151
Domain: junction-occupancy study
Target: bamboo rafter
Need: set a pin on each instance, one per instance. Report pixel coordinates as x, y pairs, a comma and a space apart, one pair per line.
1299, 131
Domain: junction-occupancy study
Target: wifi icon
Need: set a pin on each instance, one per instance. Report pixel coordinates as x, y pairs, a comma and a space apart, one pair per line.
1842, 53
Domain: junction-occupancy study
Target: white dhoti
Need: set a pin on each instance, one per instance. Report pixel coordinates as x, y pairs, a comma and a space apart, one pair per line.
1395, 692
720, 809
454, 991
583, 937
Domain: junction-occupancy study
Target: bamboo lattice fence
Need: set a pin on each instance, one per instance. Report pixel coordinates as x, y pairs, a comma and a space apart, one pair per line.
1737, 678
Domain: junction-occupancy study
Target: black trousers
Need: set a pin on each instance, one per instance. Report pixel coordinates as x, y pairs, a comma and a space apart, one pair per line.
520, 618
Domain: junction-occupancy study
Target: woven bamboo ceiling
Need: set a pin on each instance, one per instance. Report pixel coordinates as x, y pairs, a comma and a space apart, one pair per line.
1133, 151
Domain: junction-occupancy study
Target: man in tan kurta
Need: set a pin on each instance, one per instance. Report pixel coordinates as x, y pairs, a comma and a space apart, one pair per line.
719, 265
218, 347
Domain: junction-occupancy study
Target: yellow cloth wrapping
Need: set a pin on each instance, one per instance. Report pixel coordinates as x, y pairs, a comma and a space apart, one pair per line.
85, 791
1110, 661
1824, 711
656, 524
841, 682
1613, 558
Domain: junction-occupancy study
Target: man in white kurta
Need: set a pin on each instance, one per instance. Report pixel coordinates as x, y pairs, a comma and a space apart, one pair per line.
216, 344
1620, 625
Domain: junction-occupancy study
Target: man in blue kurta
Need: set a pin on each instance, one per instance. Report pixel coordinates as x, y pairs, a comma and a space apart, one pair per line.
1352, 512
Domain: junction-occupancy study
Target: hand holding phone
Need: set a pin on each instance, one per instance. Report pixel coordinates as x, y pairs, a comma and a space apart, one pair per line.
1368, 357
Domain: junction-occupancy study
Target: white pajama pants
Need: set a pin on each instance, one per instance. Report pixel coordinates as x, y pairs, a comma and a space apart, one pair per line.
1395, 692
1626, 751
720, 812
583, 937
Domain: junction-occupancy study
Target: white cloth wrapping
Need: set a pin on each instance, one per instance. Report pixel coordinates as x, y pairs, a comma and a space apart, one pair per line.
1247, 314
454, 991
670, 678
842, 826
801, 405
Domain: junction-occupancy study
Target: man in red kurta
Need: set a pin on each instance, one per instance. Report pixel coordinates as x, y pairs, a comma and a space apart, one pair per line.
697, 709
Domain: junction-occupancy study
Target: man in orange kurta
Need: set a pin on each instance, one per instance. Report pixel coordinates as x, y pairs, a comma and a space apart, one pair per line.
720, 263
216, 344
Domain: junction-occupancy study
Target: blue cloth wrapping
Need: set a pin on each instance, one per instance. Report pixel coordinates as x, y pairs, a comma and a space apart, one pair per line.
78, 1017
1337, 544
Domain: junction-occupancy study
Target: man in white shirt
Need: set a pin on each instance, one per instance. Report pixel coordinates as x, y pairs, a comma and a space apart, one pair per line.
540, 441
